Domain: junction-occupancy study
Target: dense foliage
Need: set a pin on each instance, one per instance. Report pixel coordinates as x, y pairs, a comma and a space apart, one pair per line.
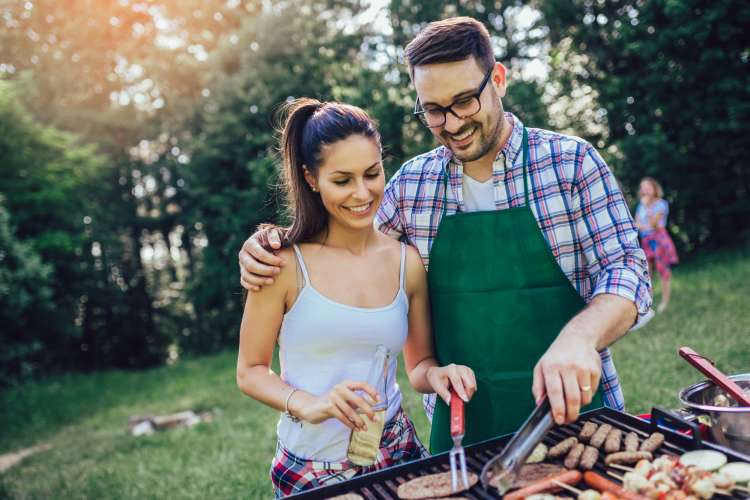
137, 141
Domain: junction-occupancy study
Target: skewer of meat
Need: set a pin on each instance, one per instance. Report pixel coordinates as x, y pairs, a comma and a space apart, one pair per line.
612, 443
631, 441
574, 456
600, 435
653, 442
627, 457
601, 483
562, 448
588, 430
546, 484
589, 458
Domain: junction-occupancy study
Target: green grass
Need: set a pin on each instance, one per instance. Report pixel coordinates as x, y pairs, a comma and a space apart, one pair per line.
85, 416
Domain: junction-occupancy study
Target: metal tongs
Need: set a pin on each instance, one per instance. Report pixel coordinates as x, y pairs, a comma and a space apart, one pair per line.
457, 433
502, 470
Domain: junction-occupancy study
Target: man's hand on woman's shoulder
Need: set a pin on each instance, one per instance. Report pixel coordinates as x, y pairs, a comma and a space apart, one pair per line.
258, 261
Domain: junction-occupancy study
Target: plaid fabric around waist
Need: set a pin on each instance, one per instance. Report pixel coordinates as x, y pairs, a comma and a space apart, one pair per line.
291, 474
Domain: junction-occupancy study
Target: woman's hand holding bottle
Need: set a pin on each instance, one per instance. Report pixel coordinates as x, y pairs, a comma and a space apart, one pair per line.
460, 377
342, 402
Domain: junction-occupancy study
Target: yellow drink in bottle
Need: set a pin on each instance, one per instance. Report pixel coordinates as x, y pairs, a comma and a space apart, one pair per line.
364, 445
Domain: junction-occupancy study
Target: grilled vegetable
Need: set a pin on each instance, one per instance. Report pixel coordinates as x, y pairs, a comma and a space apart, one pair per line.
704, 459
738, 471
538, 455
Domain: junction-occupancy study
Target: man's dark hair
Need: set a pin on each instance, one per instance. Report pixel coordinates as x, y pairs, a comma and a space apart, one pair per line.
450, 40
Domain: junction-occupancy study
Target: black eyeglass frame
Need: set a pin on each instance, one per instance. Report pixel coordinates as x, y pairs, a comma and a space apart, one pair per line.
419, 111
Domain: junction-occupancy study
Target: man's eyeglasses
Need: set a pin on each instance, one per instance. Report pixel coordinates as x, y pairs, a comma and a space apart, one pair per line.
434, 116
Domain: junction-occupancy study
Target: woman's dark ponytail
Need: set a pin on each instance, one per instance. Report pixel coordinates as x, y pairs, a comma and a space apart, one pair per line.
309, 125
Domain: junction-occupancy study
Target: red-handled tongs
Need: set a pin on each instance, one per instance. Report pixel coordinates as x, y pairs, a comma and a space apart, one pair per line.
457, 433
707, 368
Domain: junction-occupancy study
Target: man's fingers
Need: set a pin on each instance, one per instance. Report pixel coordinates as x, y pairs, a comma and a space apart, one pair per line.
257, 252
537, 386
572, 395
587, 388
554, 389
274, 239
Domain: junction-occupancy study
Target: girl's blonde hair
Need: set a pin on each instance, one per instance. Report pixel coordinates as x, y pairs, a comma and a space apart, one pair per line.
655, 184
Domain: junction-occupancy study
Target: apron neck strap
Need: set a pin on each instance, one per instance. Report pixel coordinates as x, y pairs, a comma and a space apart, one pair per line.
525, 165
525, 145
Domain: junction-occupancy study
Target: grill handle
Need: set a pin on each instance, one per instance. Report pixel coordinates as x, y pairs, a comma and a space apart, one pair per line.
664, 419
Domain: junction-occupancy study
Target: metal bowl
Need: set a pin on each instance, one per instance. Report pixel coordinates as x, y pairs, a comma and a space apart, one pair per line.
730, 426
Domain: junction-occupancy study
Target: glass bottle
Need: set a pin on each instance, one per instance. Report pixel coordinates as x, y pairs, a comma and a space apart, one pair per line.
364, 445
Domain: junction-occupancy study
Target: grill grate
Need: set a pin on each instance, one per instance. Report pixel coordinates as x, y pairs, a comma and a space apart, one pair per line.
382, 485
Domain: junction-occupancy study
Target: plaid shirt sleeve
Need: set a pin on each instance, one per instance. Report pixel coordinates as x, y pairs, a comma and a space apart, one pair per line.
388, 217
608, 237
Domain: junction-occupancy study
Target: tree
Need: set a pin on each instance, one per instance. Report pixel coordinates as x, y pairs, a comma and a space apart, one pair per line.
670, 80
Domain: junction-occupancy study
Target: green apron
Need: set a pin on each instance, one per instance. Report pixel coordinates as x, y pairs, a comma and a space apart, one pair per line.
499, 299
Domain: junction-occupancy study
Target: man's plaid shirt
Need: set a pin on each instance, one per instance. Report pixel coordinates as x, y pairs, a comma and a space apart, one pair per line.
576, 201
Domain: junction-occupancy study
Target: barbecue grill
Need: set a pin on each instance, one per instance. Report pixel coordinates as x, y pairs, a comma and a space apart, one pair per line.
383, 484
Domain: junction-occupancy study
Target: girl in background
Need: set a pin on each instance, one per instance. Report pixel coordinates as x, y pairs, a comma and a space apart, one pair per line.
651, 220
352, 289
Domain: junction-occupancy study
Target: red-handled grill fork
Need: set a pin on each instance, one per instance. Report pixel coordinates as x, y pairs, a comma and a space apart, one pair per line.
457, 433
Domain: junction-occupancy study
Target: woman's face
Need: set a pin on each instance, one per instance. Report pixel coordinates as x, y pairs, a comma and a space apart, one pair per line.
351, 181
646, 190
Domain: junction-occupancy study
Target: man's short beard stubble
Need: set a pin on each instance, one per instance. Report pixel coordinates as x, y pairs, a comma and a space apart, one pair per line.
487, 142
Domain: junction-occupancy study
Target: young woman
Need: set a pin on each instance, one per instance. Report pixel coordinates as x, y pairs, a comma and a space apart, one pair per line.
351, 290
651, 219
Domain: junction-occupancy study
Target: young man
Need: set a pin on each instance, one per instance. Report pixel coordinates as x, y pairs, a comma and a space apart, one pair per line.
533, 259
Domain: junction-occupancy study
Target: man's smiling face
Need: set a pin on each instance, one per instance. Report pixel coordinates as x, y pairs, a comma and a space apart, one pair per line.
443, 84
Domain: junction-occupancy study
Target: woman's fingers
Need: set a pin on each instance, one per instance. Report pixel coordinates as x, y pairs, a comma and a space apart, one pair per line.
356, 422
367, 388
457, 382
469, 380
537, 386
339, 415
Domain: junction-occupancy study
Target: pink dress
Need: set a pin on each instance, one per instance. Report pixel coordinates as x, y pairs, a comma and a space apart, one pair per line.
656, 243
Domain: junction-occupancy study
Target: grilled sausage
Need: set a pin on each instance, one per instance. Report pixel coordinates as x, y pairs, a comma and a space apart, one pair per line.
588, 430
574, 456
546, 484
631, 441
589, 457
653, 442
627, 457
612, 443
600, 435
601, 483
562, 448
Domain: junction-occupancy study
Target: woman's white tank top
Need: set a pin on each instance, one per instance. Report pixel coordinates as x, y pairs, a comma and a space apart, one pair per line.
322, 343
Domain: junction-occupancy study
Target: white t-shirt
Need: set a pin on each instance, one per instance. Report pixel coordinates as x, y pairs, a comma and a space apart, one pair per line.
478, 196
